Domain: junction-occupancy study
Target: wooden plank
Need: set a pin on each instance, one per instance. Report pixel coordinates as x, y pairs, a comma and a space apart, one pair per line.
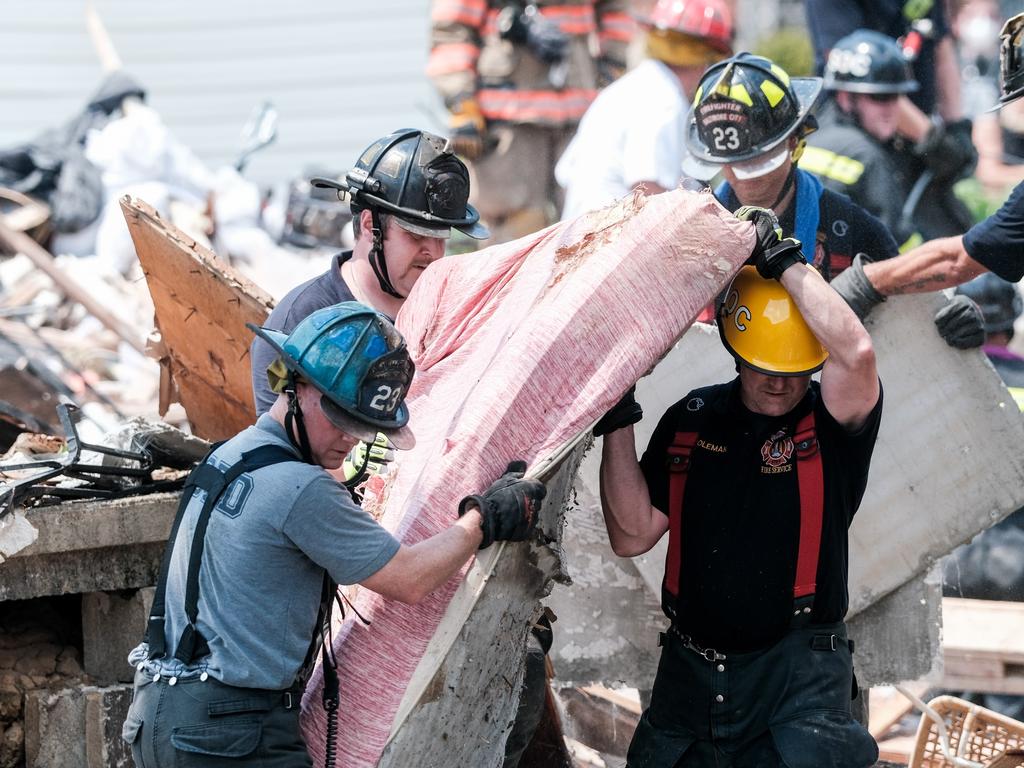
19, 242
202, 306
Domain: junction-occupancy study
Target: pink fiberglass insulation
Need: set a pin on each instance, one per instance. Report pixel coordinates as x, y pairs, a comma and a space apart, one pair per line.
519, 348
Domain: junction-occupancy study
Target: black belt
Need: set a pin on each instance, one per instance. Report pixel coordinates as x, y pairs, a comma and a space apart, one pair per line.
830, 642
709, 654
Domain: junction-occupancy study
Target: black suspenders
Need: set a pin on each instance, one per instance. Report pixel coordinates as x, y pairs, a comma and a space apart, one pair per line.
206, 477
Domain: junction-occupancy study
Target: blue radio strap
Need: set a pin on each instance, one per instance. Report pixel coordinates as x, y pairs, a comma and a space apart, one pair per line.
808, 209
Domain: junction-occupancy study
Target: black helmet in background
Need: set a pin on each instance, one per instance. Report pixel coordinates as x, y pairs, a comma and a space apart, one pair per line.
415, 177
866, 61
1011, 60
999, 300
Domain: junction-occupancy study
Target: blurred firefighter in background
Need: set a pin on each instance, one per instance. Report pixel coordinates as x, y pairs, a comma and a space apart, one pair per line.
516, 78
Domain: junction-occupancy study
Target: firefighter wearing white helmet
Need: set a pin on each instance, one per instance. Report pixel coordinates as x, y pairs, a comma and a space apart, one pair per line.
632, 135
755, 482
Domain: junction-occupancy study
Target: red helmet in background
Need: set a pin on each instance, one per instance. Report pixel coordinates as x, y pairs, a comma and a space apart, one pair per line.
707, 20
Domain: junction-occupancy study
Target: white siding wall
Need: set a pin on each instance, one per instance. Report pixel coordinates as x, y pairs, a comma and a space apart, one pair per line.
340, 73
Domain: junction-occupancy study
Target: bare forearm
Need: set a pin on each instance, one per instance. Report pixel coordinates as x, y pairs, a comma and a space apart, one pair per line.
417, 570
937, 264
830, 319
849, 378
634, 526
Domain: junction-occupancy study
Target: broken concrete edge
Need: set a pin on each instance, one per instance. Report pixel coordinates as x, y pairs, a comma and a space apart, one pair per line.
467, 683
94, 524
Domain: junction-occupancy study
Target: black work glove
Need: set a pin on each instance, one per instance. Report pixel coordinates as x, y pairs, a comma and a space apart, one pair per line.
948, 150
625, 412
509, 507
961, 324
855, 288
526, 26
772, 253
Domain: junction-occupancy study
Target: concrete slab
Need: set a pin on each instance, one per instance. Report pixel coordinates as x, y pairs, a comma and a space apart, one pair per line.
91, 546
947, 465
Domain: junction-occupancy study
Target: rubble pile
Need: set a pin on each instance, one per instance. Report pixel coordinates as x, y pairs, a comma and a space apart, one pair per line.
40, 649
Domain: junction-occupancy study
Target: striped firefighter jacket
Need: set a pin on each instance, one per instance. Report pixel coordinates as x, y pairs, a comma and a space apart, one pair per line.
469, 59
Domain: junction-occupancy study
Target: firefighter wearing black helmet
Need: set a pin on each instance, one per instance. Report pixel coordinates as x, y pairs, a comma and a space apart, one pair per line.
750, 121
407, 192
995, 244
852, 151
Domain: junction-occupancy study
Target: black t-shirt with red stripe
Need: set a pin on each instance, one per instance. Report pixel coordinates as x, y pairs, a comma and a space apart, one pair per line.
741, 518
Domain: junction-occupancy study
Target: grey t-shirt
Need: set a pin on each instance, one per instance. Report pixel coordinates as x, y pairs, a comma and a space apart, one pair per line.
300, 302
269, 539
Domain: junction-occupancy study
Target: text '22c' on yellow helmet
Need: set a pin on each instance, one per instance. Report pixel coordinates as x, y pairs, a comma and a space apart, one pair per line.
762, 328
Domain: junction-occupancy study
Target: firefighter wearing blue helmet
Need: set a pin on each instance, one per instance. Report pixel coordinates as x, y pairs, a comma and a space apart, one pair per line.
263, 536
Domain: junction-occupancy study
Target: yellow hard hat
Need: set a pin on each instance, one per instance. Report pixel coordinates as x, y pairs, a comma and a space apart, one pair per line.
763, 329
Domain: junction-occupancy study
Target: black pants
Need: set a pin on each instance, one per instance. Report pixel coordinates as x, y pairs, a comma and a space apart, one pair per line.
787, 706
206, 724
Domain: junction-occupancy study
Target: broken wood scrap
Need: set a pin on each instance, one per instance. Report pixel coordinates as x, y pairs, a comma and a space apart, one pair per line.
202, 307
983, 645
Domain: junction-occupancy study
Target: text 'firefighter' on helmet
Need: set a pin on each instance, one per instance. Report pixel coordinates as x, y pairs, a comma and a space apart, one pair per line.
866, 61
745, 107
359, 362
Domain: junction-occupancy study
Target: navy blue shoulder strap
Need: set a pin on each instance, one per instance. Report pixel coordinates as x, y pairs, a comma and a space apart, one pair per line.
214, 482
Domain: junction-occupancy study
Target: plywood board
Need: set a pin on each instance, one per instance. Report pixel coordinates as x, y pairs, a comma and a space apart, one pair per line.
202, 306
946, 466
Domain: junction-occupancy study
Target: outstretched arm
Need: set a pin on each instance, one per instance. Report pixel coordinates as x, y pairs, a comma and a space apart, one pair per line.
937, 264
849, 379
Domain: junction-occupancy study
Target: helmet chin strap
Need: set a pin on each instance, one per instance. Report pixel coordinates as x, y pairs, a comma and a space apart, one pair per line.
377, 262
790, 181
294, 417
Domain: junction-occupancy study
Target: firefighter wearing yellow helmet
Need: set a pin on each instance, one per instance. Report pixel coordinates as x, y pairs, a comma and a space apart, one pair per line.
755, 481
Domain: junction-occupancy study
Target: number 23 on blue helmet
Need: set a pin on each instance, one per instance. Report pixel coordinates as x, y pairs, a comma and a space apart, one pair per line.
358, 360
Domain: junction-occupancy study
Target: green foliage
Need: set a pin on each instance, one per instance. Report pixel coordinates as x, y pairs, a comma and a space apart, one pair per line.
980, 202
790, 48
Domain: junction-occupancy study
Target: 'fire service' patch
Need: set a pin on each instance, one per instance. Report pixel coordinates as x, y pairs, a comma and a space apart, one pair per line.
776, 453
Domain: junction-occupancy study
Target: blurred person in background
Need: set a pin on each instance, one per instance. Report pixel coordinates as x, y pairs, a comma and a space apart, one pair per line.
516, 77
633, 134
933, 139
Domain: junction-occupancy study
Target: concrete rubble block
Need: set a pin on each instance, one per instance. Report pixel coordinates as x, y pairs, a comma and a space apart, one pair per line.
77, 727
898, 638
105, 713
112, 624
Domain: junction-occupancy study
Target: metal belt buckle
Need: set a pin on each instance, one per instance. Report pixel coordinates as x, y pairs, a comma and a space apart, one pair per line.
288, 702
835, 642
711, 654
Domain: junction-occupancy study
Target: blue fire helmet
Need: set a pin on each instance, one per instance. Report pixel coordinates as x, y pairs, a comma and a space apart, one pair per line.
357, 358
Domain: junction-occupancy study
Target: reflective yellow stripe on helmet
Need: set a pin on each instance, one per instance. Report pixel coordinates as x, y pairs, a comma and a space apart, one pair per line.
826, 163
772, 92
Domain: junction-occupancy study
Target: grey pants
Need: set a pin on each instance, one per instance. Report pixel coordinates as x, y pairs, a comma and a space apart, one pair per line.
206, 724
